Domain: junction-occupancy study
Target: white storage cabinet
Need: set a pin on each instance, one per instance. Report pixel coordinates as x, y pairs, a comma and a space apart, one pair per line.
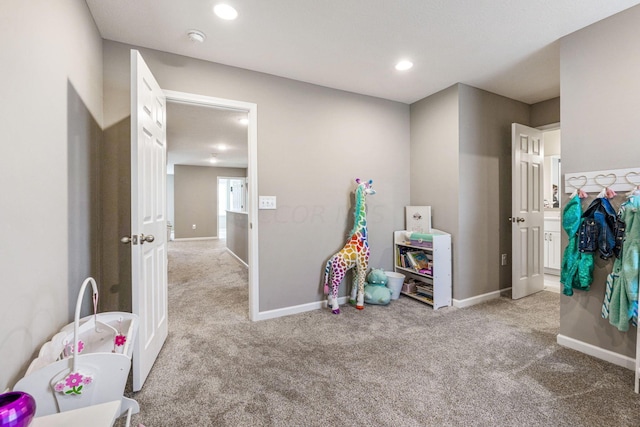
440, 277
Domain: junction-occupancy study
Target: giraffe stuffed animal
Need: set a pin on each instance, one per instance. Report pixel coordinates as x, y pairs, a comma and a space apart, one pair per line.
355, 253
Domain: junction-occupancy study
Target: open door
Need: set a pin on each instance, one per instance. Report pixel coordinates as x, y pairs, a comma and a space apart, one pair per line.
527, 211
148, 217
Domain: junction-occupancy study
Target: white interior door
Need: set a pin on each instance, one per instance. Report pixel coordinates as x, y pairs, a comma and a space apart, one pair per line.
236, 194
148, 217
527, 211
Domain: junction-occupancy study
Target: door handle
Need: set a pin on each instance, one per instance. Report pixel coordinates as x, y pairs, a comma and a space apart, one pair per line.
134, 239
147, 239
130, 239
519, 219
516, 219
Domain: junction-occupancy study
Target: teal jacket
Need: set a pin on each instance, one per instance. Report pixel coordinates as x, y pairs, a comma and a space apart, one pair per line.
577, 267
621, 297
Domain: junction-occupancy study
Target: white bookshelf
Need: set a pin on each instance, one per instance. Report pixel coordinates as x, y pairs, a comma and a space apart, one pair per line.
440, 277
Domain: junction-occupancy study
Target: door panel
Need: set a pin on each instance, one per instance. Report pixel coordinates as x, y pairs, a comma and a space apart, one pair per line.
148, 217
527, 214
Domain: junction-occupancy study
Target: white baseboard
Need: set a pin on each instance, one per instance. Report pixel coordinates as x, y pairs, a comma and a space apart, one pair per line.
237, 258
287, 311
597, 352
467, 302
192, 239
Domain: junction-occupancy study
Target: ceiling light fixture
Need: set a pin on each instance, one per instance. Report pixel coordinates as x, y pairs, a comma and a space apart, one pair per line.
224, 11
196, 36
404, 65
222, 147
213, 158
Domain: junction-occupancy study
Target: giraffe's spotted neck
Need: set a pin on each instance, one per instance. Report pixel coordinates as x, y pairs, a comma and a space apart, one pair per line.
360, 214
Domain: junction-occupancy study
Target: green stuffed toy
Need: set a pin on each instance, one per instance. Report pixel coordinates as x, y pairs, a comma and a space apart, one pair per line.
375, 290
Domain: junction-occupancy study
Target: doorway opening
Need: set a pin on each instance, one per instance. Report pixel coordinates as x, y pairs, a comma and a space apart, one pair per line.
251, 179
552, 207
232, 196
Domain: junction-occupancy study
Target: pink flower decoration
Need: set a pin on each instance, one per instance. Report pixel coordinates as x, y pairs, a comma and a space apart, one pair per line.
59, 386
80, 346
87, 380
120, 340
74, 380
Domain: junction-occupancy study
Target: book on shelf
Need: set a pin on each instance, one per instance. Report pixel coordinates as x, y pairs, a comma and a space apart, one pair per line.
419, 260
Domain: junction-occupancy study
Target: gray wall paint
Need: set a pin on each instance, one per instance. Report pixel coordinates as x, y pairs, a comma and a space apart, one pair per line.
435, 161
599, 68
545, 112
56, 63
115, 190
196, 199
485, 190
238, 234
312, 143
434, 156
461, 166
84, 202
170, 200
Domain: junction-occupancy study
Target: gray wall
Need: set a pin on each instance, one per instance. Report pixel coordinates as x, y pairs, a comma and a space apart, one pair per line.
170, 200
238, 234
196, 199
435, 156
545, 112
461, 166
49, 115
484, 192
600, 69
312, 143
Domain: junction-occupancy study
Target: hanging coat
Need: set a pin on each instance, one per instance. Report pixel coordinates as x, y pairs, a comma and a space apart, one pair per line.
600, 229
621, 295
577, 267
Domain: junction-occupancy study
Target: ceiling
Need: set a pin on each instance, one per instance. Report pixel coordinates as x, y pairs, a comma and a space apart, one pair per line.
508, 47
196, 134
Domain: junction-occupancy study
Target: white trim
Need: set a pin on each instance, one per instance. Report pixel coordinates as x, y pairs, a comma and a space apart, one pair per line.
297, 309
468, 302
189, 239
252, 176
237, 258
597, 352
595, 181
550, 126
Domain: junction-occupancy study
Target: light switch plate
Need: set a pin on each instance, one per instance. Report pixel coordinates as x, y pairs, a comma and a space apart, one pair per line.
266, 202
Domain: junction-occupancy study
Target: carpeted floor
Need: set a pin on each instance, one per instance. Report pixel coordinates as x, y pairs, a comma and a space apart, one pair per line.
494, 364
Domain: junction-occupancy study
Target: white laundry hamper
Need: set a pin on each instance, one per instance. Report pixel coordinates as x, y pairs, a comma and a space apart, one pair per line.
61, 380
395, 281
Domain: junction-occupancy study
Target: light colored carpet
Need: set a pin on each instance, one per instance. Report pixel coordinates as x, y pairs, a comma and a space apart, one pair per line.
494, 364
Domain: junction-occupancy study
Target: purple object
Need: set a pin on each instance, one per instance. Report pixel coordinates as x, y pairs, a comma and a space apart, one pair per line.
16, 409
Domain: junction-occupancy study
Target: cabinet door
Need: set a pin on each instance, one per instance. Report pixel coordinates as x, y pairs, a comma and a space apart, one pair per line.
546, 250
554, 249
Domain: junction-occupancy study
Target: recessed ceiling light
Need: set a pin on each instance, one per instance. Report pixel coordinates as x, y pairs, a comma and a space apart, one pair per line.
225, 11
196, 36
244, 121
213, 158
222, 147
404, 65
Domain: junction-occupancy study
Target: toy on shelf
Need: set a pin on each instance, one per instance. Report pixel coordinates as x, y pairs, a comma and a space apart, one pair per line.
86, 363
376, 291
355, 253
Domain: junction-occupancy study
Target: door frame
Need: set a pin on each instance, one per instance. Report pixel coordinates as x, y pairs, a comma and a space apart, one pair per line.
533, 280
545, 128
252, 176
